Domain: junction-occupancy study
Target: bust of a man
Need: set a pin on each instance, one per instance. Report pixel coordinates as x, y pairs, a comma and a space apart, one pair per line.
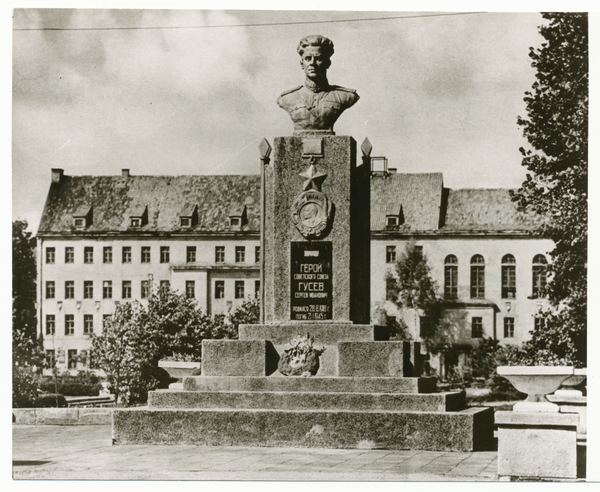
315, 106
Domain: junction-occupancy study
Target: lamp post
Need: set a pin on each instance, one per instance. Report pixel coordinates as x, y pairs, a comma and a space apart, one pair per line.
265, 151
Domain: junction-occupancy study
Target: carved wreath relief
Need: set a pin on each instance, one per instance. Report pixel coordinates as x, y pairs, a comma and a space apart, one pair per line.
311, 211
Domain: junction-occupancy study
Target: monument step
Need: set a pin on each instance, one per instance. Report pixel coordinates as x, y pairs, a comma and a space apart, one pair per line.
311, 384
468, 430
432, 402
324, 333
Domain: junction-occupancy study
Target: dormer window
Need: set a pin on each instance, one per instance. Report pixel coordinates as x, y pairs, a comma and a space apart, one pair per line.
82, 217
394, 216
188, 217
238, 216
138, 216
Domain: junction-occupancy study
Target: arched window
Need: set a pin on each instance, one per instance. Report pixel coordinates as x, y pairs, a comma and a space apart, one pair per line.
451, 277
477, 277
509, 277
539, 268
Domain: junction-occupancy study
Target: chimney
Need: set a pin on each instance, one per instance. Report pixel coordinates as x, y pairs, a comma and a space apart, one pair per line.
124, 173
57, 175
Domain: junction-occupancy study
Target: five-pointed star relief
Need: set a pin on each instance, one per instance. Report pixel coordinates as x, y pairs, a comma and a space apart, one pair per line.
314, 178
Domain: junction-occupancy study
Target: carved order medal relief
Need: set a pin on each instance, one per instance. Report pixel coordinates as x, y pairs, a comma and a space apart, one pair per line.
310, 213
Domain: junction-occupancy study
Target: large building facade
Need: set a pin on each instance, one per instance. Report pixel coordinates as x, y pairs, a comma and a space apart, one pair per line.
109, 239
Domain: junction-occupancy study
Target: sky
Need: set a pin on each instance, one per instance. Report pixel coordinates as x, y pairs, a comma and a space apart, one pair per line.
437, 94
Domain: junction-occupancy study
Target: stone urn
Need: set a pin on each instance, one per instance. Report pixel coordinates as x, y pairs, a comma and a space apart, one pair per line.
537, 382
178, 370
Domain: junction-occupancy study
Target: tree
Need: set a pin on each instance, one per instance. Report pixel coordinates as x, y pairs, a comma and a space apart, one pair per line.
557, 130
23, 281
115, 351
412, 287
136, 338
27, 356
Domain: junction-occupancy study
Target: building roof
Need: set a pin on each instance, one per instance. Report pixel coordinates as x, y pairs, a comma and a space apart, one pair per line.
419, 200
115, 199
418, 196
486, 210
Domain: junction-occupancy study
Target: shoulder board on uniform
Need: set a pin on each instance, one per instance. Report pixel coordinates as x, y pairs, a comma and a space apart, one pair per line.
291, 90
345, 89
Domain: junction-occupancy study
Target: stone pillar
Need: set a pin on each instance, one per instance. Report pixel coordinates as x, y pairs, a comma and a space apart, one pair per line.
317, 248
537, 444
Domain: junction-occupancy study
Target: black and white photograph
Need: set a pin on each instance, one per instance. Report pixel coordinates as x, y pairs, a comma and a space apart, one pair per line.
272, 245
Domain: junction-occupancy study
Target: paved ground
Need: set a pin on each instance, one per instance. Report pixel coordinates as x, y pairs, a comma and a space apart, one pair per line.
85, 452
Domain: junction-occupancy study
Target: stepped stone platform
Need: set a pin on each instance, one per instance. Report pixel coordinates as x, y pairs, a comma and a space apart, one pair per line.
242, 400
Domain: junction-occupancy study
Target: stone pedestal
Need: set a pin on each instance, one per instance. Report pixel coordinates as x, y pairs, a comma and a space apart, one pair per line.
344, 242
537, 445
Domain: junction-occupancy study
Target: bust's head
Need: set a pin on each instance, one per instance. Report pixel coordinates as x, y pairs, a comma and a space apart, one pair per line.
315, 56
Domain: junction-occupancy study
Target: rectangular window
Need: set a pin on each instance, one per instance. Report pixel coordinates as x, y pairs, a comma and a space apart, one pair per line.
145, 289
105, 321
539, 323
165, 254
219, 289
240, 254
69, 289
451, 281
50, 324
190, 289
390, 289
50, 359
509, 282
126, 254
190, 255
88, 254
165, 285
50, 289
509, 327
239, 289
69, 324
390, 254
257, 254
88, 324
256, 289
107, 254
88, 289
220, 254
72, 359
126, 291
50, 255
477, 281
145, 254
107, 289
476, 327
69, 254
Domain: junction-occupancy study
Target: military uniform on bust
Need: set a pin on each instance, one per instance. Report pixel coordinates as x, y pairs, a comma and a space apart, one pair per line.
316, 109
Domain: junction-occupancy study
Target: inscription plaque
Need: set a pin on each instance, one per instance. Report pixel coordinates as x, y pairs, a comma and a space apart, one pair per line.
311, 283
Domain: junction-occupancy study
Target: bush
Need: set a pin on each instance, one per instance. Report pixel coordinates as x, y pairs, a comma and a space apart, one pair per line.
24, 388
50, 401
83, 384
